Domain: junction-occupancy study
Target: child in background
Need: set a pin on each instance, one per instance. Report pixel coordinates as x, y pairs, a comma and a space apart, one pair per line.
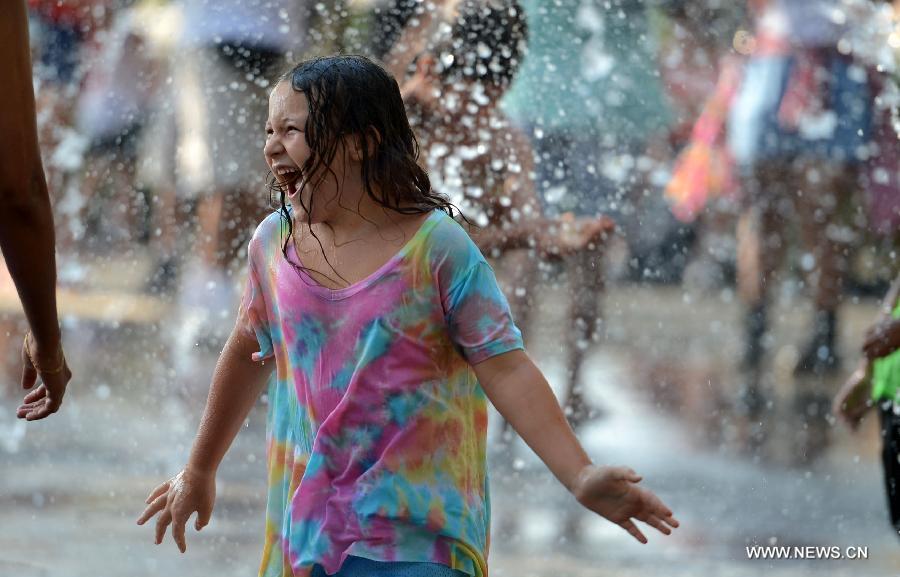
386, 333
477, 157
470, 148
877, 382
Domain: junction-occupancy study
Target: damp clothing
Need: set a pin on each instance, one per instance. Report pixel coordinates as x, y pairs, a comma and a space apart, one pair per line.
376, 422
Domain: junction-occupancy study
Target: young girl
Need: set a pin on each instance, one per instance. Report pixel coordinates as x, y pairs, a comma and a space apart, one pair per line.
388, 334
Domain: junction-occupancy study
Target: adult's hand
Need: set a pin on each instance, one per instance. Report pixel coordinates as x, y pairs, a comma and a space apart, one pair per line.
26, 220
54, 375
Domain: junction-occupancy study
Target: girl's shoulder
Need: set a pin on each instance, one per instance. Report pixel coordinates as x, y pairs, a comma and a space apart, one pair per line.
450, 245
268, 236
271, 225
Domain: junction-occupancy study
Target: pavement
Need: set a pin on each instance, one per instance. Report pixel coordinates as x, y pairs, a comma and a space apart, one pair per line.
661, 378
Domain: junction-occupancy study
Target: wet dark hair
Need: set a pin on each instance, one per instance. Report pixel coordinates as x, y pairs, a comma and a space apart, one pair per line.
352, 95
487, 42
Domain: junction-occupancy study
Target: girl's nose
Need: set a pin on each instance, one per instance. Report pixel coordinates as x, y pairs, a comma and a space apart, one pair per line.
272, 146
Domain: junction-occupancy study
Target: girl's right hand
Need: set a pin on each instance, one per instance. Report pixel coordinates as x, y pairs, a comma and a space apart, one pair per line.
176, 500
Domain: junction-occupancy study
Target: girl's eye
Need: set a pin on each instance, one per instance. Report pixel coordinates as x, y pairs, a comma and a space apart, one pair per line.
293, 128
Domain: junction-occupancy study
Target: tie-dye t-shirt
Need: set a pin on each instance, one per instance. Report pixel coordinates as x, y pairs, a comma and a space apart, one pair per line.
376, 422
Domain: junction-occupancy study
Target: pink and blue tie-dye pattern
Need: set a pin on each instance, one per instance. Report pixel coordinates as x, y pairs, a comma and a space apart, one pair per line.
376, 422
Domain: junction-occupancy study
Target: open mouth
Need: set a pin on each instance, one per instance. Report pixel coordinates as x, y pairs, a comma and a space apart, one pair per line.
288, 179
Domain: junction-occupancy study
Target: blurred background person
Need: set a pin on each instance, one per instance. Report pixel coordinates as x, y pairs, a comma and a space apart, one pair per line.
589, 98
701, 72
486, 164
118, 90
231, 50
60, 31
798, 130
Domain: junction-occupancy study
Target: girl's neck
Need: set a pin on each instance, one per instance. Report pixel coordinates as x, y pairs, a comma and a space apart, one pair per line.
356, 216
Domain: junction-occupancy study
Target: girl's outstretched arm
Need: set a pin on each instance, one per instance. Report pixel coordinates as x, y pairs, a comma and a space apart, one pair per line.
522, 395
237, 383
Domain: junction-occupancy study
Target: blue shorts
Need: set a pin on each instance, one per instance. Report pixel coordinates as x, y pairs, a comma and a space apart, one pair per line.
755, 134
361, 567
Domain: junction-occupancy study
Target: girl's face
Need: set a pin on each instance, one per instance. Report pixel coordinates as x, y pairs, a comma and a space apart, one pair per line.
286, 151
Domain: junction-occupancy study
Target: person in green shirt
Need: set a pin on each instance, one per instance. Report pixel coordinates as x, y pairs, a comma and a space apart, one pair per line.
876, 381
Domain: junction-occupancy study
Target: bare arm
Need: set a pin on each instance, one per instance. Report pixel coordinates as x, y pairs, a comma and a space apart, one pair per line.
237, 383
890, 299
26, 222
521, 224
883, 338
520, 392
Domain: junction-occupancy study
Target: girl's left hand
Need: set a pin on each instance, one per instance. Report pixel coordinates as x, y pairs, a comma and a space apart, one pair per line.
612, 492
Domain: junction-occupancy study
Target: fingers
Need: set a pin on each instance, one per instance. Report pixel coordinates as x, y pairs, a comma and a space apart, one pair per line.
657, 515
36, 405
178, 522
660, 519
671, 521
654, 507
28, 412
629, 475
629, 526
625, 474
35, 395
41, 412
654, 513
39, 403
53, 400
203, 516
159, 490
658, 524
29, 373
153, 508
163, 521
